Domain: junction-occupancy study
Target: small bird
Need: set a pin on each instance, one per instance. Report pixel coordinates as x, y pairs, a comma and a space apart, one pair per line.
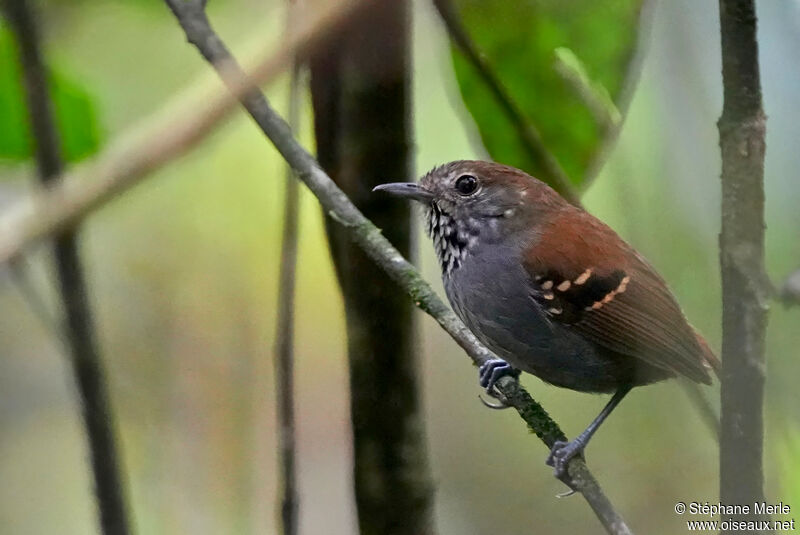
552, 290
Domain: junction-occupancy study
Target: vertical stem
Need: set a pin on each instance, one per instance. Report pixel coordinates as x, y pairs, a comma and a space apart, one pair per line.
78, 324
742, 128
284, 354
360, 91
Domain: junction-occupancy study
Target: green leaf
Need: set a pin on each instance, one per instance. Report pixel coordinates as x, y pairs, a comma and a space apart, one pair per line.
74, 110
593, 40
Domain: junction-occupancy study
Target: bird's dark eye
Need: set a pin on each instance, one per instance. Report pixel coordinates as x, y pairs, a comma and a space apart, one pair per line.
466, 184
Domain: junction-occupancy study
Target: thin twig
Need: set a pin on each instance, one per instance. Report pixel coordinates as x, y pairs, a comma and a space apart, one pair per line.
158, 140
550, 170
78, 325
284, 335
745, 288
192, 17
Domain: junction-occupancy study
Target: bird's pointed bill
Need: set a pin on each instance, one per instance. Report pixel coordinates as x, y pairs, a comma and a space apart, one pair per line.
408, 190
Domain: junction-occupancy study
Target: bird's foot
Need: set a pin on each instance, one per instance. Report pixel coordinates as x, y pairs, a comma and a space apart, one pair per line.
560, 455
492, 370
488, 374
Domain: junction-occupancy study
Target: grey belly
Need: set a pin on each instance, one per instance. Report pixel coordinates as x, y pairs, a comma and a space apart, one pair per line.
489, 292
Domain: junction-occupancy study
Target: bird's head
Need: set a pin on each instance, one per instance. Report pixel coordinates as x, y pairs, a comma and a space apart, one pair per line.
469, 202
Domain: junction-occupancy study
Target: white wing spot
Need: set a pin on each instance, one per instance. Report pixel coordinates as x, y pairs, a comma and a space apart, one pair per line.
612, 294
583, 277
623, 284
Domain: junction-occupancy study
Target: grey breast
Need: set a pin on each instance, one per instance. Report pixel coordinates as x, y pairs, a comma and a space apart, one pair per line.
488, 292
488, 288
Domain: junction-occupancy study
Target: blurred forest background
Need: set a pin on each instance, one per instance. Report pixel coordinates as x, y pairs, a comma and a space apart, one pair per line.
182, 273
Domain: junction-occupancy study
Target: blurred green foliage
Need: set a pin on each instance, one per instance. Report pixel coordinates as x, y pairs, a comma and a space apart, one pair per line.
520, 40
74, 110
183, 270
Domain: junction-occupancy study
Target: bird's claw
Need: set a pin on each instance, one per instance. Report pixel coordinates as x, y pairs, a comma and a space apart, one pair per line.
560, 455
499, 406
488, 374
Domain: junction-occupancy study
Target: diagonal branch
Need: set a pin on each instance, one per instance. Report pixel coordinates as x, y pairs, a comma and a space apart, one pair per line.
198, 30
78, 325
551, 171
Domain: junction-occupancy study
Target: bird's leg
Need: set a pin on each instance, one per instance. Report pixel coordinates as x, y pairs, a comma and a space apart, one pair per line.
489, 373
562, 452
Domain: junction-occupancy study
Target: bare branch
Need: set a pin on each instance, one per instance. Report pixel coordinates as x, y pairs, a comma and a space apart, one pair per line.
745, 288
161, 138
551, 171
78, 326
284, 328
369, 237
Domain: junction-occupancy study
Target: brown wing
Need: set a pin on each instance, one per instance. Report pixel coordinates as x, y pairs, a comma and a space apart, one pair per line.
586, 276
